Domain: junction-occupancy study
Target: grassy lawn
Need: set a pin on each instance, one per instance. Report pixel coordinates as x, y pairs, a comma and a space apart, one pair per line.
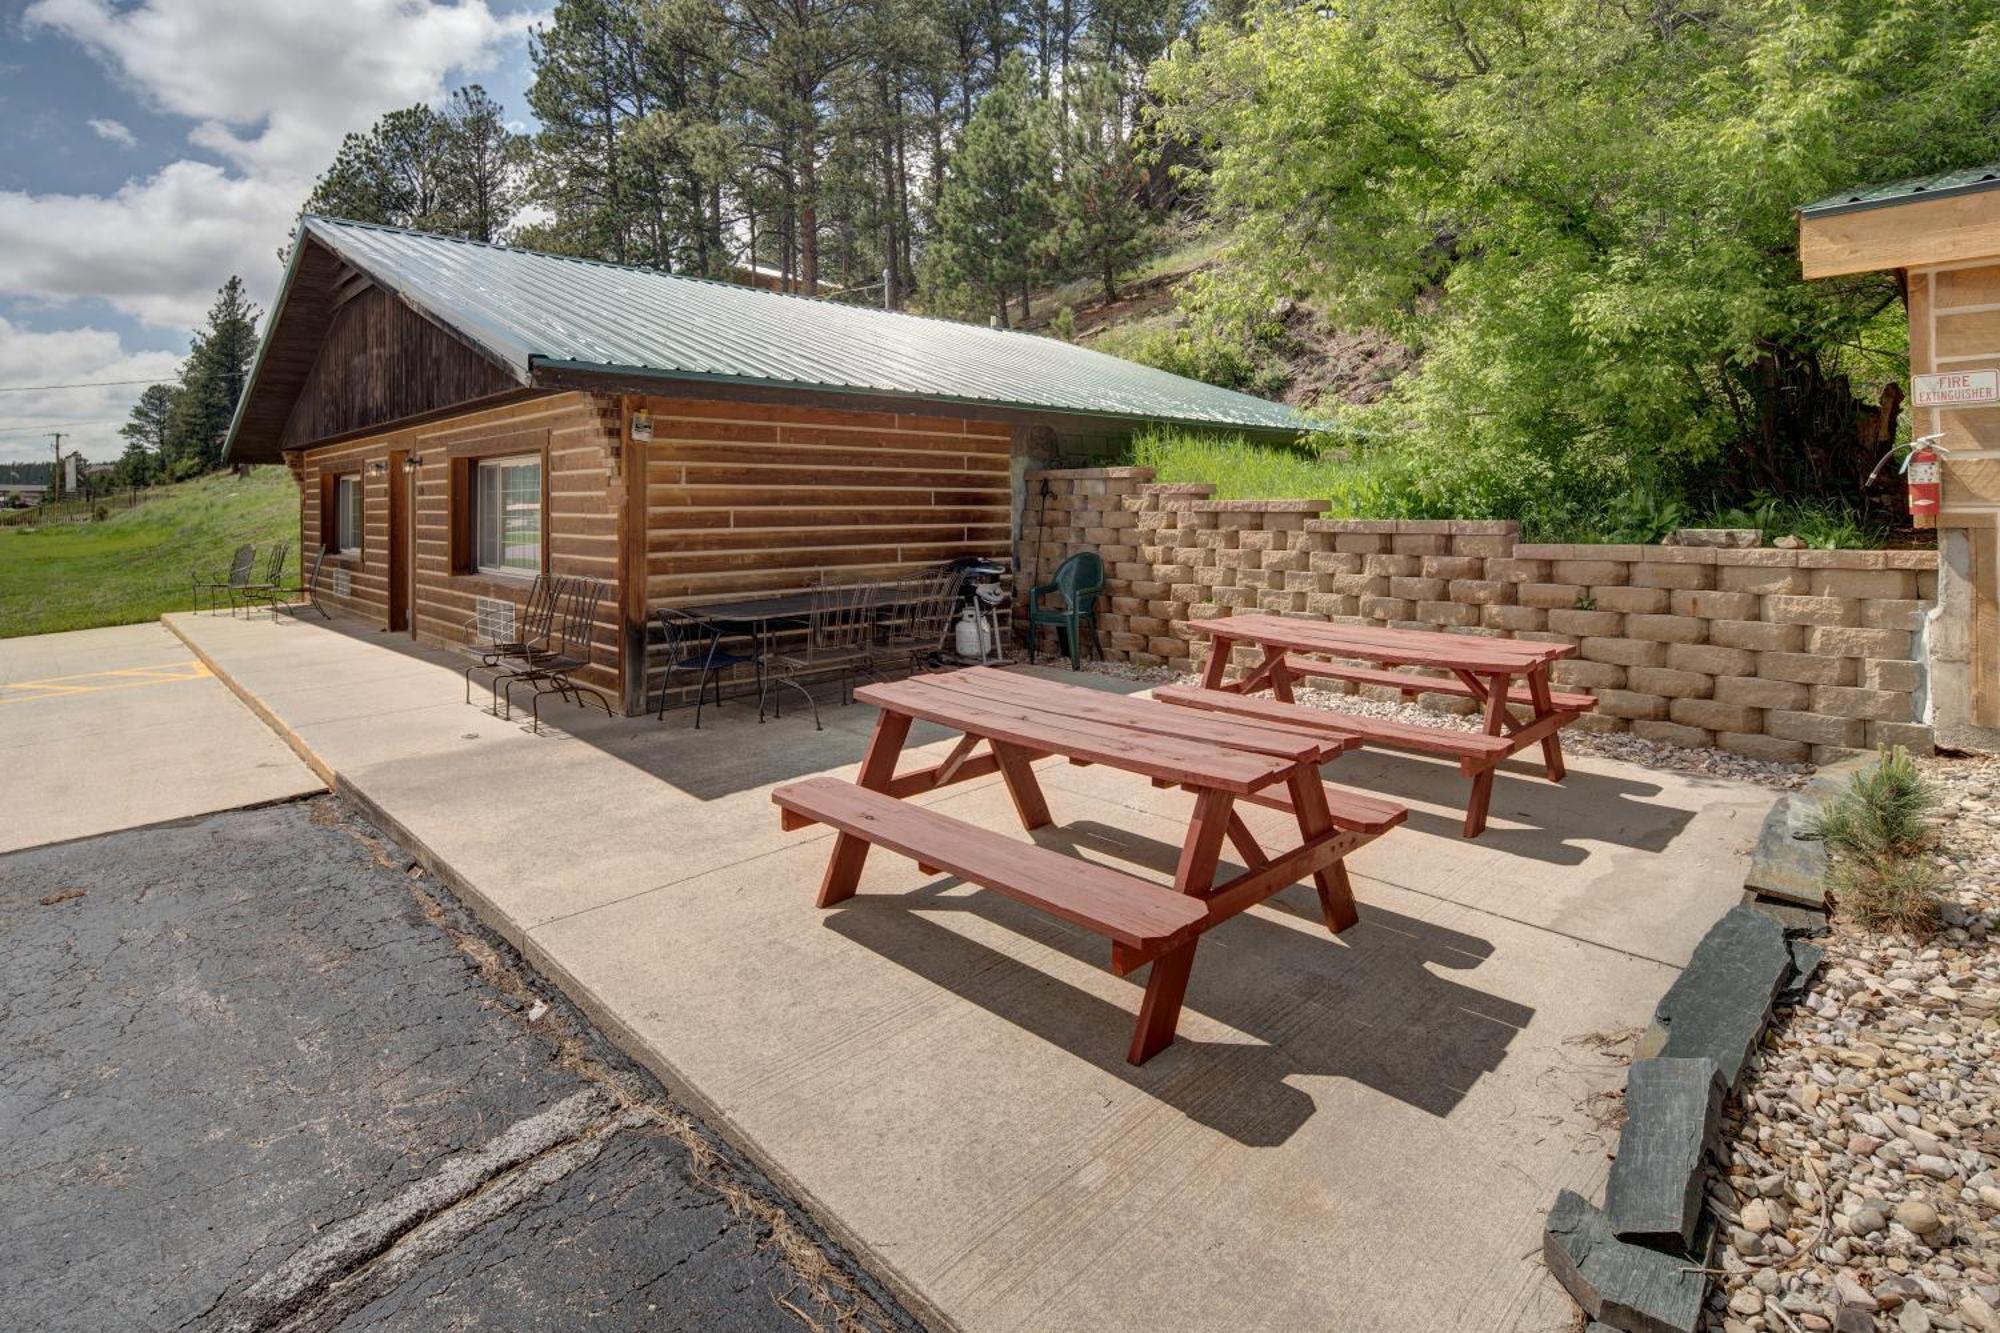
134, 564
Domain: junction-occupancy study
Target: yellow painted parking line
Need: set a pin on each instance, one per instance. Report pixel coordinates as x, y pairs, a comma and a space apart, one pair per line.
99, 682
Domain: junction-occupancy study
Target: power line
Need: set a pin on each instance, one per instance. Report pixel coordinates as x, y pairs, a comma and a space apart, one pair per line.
88, 384
46, 426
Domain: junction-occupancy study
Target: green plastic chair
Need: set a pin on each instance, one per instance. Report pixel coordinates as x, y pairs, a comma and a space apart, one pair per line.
1079, 581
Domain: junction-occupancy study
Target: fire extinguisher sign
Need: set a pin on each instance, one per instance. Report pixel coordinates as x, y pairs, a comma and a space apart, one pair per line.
1924, 471
1956, 388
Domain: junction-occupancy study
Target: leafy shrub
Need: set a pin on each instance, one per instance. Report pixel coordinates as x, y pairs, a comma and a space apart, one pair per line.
1880, 828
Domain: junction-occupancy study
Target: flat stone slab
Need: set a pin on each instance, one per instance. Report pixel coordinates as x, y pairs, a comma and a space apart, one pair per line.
1654, 1194
1627, 1287
1787, 865
1717, 1007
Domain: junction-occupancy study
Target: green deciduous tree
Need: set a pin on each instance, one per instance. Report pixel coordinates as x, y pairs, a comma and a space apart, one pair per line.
1582, 214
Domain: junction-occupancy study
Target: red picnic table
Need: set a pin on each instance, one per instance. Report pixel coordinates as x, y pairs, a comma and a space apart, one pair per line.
1478, 667
1006, 721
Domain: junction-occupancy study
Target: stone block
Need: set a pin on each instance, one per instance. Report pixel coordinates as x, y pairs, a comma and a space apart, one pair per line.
1361, 543
1718, 1005
1783, 579
1855, 701
1806, 668
1450, 567
1768, 749
1598, 722
1847, 641
1359, 585
1816, 728
1673, 684
1912, 736
1568, 620
1786, 610
1895, 584
1579, 674
1479, 592
1657, 574
1515, 570
1420, 543
1890, 675
1756, 692
1391, 566
1448, 613
1619, 597
1485, 544
1666, 629
1333, 562
1624, 652
1391, 609
1757, 636
1710, 605
1513, 618
1712, 537
1899, 614
1626, 1286
1654, 1194
1711, 715
1416, 589
1591, 572
1788, 863
1632, 706
1709, 658
1550, 595
1673, 733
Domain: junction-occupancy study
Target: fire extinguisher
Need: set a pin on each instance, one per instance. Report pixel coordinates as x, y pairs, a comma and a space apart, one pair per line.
1922, 471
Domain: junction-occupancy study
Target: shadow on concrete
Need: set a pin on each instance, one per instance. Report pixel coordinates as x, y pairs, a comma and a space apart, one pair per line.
1364, 1006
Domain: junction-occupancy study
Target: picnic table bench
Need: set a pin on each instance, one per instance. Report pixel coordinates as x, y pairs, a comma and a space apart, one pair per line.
1478, 668
1006, 722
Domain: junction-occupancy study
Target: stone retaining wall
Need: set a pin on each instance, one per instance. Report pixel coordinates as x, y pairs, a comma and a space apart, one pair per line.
1785, 655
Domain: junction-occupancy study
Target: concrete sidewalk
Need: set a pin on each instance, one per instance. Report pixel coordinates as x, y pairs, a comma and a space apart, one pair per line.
1359, 1133
107, 729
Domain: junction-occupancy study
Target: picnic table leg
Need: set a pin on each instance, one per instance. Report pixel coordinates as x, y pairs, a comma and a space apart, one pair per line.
1220, 650
1245, 842
1166, 983
1552, 750
1018, 773
1281, 676
1482, 782
878, 766
1336, 892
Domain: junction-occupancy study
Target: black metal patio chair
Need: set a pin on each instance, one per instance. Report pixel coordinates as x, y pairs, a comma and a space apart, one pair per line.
529, 635
238, 574
306, 590
575, 651
839, 635
919, 619
694, 646
244, 596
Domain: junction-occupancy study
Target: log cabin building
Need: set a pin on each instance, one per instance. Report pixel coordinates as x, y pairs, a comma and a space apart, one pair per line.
460, 417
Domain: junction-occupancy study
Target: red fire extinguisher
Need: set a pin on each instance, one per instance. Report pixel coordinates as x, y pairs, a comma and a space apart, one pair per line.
1922, 471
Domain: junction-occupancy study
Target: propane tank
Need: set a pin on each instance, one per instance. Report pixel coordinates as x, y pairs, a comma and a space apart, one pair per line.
1925, 488
971, 638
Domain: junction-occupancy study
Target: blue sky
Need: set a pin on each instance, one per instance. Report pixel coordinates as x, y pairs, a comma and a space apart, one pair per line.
149, 148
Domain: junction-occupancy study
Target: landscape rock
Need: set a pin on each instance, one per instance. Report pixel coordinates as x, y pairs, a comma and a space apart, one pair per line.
1626, 1286
1717, 1006
1654, 1193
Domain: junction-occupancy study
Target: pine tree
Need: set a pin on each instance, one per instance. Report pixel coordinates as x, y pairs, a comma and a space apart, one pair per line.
146, 435
484, 163
995, 210
1103, 222
212, 380
457, 171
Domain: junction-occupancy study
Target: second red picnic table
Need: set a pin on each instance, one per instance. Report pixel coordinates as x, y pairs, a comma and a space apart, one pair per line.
1480, 668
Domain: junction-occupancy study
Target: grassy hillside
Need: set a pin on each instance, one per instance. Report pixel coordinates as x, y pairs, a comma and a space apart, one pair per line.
134, 564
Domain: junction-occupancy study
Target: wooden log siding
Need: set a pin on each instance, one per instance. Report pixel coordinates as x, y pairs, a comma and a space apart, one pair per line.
579, 528
739, 499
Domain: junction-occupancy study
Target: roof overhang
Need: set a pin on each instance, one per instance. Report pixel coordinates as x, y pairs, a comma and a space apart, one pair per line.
1915, 230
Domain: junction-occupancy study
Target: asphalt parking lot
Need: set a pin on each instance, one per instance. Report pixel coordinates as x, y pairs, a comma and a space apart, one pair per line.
257, 1073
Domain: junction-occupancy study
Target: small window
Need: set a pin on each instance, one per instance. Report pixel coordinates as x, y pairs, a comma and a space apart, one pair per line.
507, 515
347, 513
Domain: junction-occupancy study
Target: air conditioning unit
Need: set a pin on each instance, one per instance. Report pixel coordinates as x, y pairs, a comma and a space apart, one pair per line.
343, 583
493, 619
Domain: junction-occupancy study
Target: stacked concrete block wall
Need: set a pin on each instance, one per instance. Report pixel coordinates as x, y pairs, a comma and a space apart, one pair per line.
1777, 654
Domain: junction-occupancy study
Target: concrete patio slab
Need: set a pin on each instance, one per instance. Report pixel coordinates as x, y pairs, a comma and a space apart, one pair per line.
110, 729
1352, 1133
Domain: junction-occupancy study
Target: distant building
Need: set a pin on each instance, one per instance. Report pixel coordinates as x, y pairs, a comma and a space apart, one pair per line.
22, 492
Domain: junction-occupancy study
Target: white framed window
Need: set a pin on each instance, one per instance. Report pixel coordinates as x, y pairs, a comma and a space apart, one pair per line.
347, 513
507, 514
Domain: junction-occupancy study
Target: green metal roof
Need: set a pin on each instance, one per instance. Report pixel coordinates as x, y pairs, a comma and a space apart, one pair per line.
1968, 180
532, 311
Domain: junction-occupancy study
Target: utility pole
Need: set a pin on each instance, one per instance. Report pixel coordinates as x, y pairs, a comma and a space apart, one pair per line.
55, 477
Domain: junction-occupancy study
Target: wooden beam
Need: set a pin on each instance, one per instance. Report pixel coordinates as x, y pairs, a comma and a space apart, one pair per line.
631, 490
1946, 230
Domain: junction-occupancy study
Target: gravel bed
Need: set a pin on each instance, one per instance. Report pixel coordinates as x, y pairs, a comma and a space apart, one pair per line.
1617, 745
1864, 1146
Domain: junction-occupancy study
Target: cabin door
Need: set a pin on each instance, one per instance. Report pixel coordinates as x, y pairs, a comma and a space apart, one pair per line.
400, 516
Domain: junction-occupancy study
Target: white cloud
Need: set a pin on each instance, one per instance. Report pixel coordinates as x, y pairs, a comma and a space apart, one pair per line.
88, 417
270, 86
113, 131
